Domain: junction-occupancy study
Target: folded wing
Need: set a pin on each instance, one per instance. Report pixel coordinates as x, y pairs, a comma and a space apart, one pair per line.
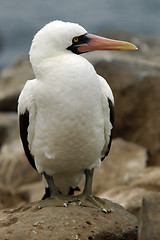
108, 113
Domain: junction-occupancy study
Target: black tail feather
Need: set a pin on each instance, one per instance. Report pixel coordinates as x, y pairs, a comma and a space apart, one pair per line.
72, 190
47, 194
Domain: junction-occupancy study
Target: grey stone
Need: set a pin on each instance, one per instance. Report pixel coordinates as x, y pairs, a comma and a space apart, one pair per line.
15, 169
12, 80
149, 218
74, 222
129, 194
8, 127
124, 162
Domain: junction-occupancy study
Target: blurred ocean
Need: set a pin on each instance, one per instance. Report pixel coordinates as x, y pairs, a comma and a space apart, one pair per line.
21, 19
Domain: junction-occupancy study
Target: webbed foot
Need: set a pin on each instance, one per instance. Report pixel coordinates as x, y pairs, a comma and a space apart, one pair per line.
88, 200
56, 201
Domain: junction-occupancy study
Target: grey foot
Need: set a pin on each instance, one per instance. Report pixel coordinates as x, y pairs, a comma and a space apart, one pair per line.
56, 201
88, 200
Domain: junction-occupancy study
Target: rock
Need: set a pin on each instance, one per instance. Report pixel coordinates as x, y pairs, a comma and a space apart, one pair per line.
142, 131
32, 192
8, 127
134, 112
15, 169
123, 163
148, 178
154, 157
130, 194
128, 197
9, 197
149, 218
12, 81
74, 222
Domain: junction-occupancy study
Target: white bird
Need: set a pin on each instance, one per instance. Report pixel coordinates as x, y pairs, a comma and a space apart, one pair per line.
66, 113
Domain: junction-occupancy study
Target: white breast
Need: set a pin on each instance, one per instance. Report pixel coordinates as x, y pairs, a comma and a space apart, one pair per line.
69, 126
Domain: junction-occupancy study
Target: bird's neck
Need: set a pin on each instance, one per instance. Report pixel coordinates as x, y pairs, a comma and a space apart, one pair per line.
62, 66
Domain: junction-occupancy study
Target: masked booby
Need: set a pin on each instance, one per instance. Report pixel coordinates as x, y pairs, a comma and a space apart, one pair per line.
66, 113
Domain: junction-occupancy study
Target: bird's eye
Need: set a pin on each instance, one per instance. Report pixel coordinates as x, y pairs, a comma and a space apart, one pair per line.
75, 39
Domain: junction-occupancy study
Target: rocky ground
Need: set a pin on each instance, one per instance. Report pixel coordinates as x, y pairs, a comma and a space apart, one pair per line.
129, 176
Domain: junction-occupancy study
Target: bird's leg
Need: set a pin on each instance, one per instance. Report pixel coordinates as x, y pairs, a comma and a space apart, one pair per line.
87, 199
56, 199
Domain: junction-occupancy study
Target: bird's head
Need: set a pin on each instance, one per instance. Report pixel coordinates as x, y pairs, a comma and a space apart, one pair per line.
60, 37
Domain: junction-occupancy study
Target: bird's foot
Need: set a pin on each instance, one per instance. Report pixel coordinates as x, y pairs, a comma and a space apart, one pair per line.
88, 200
56, 201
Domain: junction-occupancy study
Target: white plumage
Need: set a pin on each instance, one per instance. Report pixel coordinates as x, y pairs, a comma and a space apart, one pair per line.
69, 116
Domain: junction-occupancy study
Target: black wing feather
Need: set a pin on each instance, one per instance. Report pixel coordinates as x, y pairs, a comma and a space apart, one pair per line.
111, 107
23, 125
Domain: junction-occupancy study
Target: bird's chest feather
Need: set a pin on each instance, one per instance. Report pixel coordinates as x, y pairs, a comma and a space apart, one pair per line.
69, 113
70, 94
